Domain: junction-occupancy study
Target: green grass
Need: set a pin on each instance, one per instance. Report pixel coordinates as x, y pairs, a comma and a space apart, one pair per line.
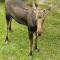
17, 48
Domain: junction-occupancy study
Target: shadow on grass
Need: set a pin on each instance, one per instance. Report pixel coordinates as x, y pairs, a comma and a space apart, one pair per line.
2, 1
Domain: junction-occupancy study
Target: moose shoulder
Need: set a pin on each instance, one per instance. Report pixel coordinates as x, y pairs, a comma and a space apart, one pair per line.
29, 15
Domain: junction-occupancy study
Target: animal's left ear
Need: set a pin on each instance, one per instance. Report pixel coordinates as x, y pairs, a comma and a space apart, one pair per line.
48, 8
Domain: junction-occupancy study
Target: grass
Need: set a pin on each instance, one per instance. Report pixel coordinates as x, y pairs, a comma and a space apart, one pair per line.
17, 49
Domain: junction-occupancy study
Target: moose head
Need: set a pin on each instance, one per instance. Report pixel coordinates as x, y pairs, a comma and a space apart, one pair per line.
39, 17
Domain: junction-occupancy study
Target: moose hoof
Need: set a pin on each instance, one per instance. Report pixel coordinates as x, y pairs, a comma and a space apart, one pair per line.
6, 40
30, 54
30, 58
35, 48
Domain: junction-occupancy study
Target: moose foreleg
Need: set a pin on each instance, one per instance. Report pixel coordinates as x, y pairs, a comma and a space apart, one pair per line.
30, 42
35, 47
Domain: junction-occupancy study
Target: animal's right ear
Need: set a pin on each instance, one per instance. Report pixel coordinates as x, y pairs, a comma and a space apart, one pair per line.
48, 8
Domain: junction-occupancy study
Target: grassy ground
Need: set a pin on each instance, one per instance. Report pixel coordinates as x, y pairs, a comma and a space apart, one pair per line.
17, 49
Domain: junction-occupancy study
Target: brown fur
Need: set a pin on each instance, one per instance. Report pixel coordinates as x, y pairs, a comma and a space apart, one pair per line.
29, 15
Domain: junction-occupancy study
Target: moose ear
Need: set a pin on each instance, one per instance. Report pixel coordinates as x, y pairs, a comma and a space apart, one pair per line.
35, 5
48, 8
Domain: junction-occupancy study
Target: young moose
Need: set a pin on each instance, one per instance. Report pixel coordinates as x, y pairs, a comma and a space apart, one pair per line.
29, 15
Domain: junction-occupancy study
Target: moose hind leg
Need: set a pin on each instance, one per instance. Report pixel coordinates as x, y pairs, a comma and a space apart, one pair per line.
7, 26
10, 24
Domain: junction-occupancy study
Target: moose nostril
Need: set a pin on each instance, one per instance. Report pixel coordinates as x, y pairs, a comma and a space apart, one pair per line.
39, 34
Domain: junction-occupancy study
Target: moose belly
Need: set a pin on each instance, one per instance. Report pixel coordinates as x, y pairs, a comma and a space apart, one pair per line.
20, 20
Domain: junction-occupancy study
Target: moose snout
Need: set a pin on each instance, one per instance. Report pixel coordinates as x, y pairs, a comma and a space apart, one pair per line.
39, 33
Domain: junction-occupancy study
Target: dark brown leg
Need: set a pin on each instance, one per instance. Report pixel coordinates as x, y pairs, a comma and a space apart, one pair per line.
10, 24
7, 26
35, 47
35, 41
30, 43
